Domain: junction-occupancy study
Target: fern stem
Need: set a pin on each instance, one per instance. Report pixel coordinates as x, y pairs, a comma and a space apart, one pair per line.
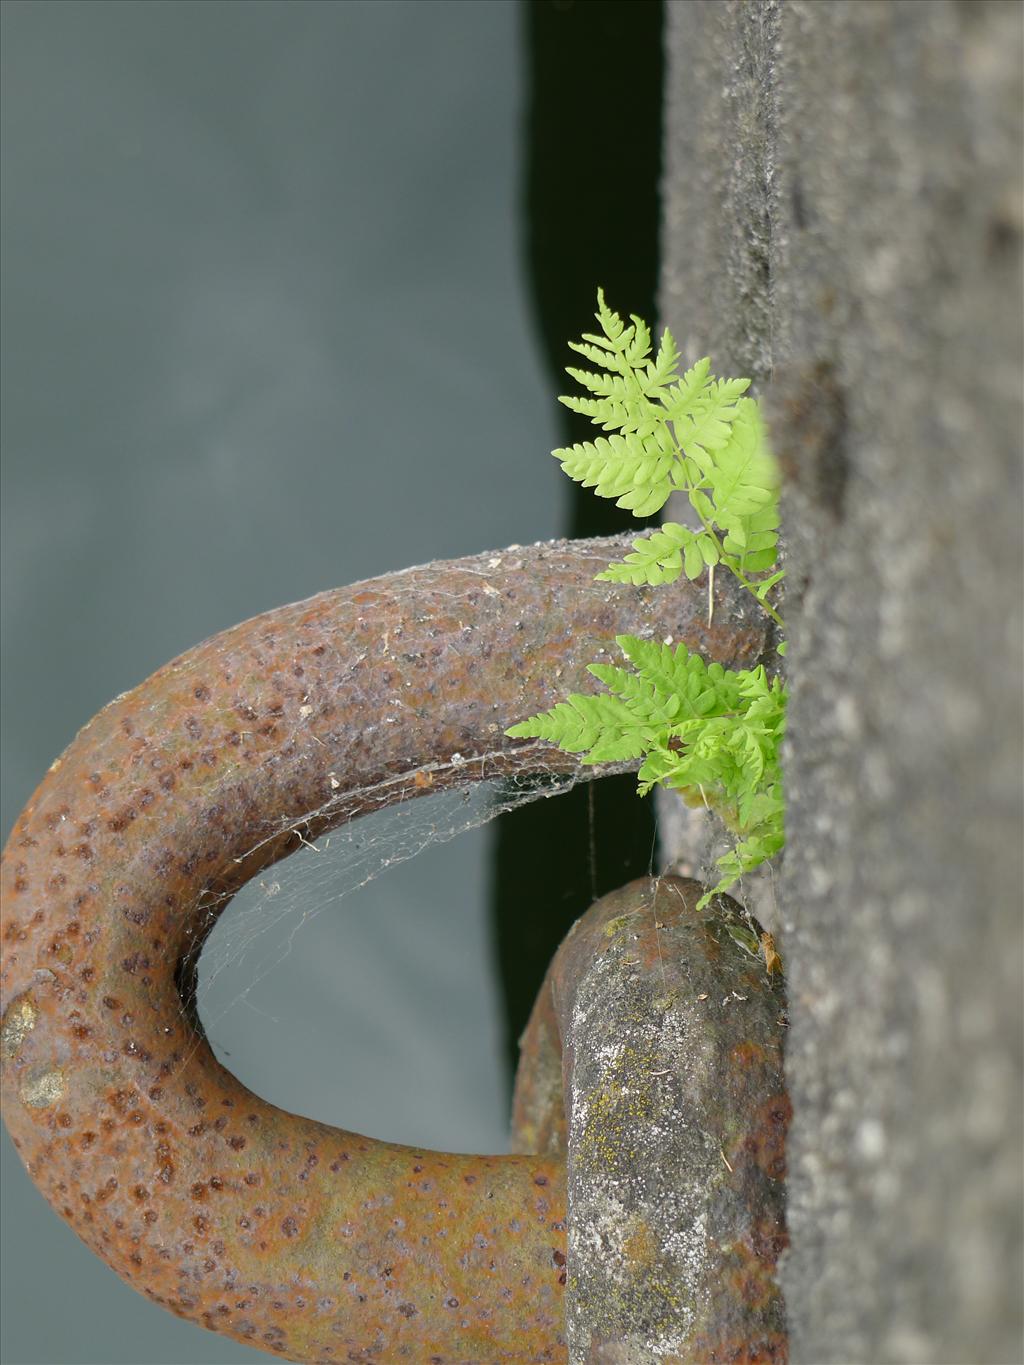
763, 604
723, 557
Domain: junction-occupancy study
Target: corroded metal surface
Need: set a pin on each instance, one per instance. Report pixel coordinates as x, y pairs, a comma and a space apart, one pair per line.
303, 1239
668, 1030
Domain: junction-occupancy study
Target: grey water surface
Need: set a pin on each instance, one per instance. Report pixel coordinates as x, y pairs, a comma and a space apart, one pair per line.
264, 333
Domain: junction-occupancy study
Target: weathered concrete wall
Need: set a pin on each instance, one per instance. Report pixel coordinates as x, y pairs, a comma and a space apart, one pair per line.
843, 221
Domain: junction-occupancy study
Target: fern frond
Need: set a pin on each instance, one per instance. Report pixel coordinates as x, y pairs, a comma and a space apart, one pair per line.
663, 368
742, 477
605, 729
627, 383
704, 689
604, 385
747, 855
684, 395
660, 557
646, 702
632, 469
634, 343
611, 324
706, 428
612, 414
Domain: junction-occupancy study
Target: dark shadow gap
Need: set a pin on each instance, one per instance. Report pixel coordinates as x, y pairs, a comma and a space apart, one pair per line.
592, 215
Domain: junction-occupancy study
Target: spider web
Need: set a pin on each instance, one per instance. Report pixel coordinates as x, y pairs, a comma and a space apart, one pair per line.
332, 995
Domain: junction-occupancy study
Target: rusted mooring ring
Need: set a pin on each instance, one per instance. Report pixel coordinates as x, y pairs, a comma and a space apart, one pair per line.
307, 1240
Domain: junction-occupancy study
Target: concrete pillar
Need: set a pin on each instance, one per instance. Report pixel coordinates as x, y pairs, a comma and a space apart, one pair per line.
843, 216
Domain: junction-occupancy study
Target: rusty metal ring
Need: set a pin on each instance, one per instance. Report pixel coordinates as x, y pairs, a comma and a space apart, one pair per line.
313, 1242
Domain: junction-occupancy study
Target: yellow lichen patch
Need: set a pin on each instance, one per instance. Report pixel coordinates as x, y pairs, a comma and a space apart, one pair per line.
616, 1109
42, 1087
19, 1021
614, 925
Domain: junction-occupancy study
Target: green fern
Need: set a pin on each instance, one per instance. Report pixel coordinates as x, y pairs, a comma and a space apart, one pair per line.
698, 728
692, 434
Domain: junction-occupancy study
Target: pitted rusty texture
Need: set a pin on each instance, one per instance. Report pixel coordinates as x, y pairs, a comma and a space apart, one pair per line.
666, 1032
315, 1243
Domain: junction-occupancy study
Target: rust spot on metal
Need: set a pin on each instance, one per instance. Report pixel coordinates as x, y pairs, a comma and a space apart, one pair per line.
164, 802
747, 1054
772, 1348
767, 1139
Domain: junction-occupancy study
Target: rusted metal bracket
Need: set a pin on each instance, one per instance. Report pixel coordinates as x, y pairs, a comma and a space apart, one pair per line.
307, 1240
653, 1060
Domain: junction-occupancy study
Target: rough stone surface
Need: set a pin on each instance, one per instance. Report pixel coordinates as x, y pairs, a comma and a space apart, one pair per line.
843, 222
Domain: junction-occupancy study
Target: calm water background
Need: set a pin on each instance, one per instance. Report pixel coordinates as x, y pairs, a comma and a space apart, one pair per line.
265, 332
